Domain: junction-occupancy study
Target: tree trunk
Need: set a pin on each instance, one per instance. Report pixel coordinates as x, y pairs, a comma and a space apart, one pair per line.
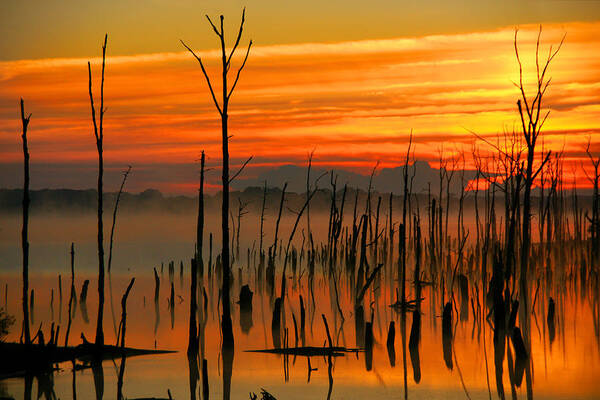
24, 232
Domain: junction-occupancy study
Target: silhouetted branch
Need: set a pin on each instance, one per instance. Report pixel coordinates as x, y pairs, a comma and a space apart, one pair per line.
241, 169
212, 92
237, 77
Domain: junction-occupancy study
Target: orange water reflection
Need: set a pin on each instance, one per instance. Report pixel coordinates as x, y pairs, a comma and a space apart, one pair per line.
567, 368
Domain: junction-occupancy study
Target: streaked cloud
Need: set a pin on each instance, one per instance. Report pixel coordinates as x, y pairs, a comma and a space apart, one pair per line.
354, 101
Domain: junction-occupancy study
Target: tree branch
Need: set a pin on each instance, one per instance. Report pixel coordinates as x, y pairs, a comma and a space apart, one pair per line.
92, 102
239, 71
237, 41
212, 92
219, 34
241, 169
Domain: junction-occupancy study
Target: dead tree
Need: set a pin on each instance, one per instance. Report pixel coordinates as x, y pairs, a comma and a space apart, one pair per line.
262, 221
99, 134
274, 246
25, 230
72, 295
223, 109
595, 218
114, 220
391, 227
192, 349
532, 121
298, 216
402, 231
308, 231
200, 221
241, 212
122, 329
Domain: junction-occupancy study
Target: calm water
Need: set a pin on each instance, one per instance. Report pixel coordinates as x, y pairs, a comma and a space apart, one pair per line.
568, 367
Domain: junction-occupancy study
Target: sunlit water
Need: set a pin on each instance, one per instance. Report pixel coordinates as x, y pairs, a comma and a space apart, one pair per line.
566, 368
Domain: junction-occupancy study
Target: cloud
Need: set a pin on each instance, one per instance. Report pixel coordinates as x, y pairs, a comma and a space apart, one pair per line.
354, 101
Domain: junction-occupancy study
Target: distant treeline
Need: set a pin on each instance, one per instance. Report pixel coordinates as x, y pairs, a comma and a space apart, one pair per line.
73, 201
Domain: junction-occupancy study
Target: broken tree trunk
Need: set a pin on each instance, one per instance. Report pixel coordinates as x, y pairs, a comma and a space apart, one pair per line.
24, 232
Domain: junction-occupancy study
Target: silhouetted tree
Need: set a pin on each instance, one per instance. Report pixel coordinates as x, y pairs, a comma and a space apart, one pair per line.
200, 220
99, 134
24, 232
114, 219
223, 108
532, 121
595, 218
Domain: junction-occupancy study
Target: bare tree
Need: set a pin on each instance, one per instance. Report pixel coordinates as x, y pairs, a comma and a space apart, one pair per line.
99, 134
262, 220
114, 219
532, 120
308, 231
72, 296
223, 108
24, 232
241, 212
402, 231
595, 219
200, 220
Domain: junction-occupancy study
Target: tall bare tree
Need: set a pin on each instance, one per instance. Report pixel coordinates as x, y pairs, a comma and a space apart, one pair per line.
223, 109
99, 134
200, 220
595, 218
533, 118
114, 217
24, 232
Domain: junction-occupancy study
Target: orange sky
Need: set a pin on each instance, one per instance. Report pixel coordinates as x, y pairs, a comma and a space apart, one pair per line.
354, 101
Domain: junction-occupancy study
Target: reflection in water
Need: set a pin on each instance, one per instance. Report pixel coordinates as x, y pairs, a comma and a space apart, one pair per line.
391, 337
276, 324
98, 373
463, 284
499, 341
447, 334
120, 378
245, 320
28, 382
511, 371
83, 301
369, 346
172, 306
227, 354
112, 306
550, 321
497, 326
404, 367
73, 382
194, 375
359, 326
156, 300
245, 303
413, 345
329, 376
205, 387
302, 322
521, 356
46, 386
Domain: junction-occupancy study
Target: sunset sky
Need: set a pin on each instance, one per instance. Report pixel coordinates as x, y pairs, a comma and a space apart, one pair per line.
348, 79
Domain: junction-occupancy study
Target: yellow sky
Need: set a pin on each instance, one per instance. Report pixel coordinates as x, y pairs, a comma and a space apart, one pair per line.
70, 28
